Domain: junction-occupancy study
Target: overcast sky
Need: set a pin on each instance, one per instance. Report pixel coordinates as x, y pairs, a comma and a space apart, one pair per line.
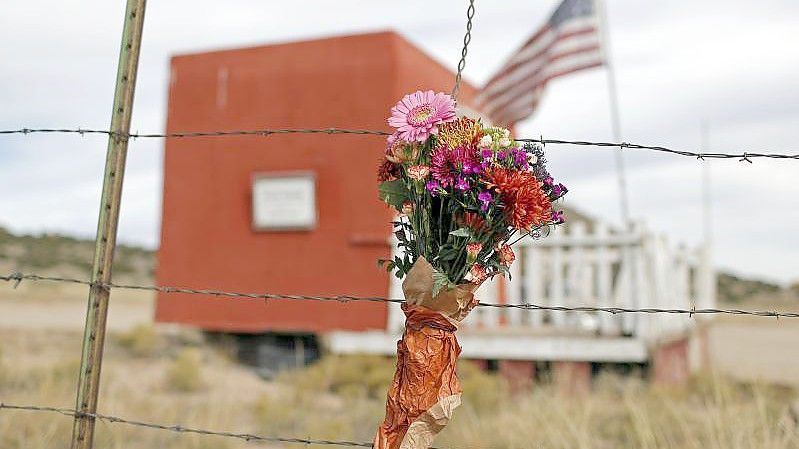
732, 63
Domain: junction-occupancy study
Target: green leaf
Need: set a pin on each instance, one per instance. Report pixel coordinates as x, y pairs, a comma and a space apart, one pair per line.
440, 280
394, 193
461, 232
447, 252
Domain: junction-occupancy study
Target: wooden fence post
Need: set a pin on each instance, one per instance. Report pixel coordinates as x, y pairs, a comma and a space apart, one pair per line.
105, 242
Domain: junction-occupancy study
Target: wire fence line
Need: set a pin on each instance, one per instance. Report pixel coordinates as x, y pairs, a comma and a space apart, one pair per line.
742, 156
243, 132
17, 278
182, 429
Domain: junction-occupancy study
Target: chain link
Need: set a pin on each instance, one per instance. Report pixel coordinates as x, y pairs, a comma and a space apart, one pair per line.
467, 38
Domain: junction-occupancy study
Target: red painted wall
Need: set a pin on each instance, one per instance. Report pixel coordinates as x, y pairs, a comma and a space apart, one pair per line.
207, 240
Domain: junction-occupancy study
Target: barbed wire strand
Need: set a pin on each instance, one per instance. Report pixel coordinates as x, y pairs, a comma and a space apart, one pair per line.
245, 132
466, 39
17, 278
744, 156
180, 428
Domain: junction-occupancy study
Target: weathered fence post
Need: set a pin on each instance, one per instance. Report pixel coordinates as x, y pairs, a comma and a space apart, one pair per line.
94, 332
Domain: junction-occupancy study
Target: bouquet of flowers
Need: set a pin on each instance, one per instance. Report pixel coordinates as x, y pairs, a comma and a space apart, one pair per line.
465, 193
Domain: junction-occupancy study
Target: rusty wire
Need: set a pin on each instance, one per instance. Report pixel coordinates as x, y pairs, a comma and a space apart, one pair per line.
743, 156
180, 428
17, 278
244, 132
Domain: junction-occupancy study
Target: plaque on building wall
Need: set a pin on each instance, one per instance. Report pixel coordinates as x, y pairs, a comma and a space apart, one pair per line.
284, 201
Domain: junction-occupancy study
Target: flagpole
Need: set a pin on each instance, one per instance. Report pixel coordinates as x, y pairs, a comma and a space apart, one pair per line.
707, 281
614, 112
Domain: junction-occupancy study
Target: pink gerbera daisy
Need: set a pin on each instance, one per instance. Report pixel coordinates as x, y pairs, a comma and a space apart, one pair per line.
418, 115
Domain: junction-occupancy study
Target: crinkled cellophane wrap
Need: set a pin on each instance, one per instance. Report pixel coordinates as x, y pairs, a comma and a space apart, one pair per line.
425, 390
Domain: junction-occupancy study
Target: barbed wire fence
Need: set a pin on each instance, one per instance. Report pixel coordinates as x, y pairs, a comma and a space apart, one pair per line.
180, 428
17, 278
85, 414
742, 156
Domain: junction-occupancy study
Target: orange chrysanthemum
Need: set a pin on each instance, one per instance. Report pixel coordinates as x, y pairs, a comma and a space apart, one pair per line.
526, 204
461, 132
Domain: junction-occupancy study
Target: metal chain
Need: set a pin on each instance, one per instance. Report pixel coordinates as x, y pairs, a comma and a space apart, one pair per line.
17, 278
745, 156
466, 39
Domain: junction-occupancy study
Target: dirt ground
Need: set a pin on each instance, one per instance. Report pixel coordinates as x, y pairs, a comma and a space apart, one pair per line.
756, 348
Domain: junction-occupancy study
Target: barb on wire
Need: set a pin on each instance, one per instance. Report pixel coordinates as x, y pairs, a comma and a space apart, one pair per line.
744, 156
242, 132
180, 428
347, 298
466, 39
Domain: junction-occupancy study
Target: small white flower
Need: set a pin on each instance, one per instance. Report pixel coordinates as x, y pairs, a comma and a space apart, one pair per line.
505, 132
533, 159
486, 141
504, 142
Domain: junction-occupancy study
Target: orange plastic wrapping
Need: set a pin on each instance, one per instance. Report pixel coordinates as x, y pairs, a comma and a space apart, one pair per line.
425, 390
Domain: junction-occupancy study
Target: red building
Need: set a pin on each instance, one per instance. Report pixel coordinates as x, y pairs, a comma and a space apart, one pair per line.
287, 213
299, 214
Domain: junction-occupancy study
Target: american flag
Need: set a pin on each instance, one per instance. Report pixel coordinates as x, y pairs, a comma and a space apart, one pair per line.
568, 42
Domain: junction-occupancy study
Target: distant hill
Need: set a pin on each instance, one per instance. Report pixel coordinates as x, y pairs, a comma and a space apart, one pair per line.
733, 289
55, 254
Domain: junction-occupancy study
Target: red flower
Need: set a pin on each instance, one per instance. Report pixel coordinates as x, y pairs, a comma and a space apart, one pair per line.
387, 171
418, 172
472, 221
449, 163
506, 256
472, 250
477, 274
526, 205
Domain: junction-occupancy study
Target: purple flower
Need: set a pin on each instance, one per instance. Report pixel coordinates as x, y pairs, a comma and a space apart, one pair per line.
559, 190
502, 155
486, 153
433, 187
485, 200
548, 181
520, 158
557, 217
462, 184
471, 167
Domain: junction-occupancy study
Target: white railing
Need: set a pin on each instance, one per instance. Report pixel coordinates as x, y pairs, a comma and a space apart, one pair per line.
574, 267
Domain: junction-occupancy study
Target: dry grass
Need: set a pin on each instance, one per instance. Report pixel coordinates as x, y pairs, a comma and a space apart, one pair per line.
342, 398
142, 340
185, 373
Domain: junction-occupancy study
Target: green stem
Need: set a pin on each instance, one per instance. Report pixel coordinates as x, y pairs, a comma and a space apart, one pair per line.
440, 222
459, 267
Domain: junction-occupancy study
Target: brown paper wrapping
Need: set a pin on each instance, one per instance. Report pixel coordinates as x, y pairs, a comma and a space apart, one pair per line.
425, 390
